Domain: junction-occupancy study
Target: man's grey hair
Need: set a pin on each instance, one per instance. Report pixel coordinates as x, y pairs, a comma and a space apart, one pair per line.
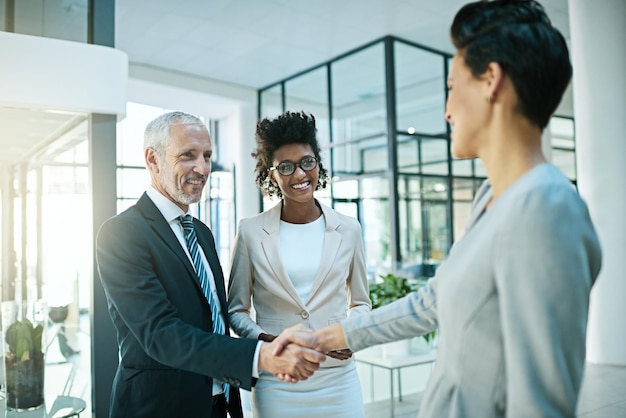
157, 134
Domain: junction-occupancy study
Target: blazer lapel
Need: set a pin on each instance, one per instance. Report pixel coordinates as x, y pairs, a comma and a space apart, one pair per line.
332, 241
482, 198
271, 248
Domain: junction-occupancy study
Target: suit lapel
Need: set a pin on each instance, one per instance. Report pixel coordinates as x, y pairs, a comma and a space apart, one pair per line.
162, 228
332, 241
271, 248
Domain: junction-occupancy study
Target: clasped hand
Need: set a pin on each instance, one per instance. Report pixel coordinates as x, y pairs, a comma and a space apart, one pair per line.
313, 346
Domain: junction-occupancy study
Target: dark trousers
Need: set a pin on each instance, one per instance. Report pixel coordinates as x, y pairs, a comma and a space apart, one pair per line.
219, 406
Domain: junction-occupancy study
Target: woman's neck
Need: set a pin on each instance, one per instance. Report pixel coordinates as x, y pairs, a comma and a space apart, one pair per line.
300, 213
511, 154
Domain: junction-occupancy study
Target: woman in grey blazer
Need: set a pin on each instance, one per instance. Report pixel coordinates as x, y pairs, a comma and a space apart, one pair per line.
299, 262
511, 300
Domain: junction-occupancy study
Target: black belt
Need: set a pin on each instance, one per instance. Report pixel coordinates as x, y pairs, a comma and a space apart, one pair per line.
219, 398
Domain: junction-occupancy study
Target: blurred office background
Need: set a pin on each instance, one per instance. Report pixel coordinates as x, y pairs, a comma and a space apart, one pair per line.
82, 78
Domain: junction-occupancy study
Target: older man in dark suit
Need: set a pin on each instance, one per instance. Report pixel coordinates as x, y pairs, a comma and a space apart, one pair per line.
165, 291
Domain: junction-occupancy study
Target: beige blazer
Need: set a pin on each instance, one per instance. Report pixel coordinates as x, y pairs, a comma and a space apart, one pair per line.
258, 274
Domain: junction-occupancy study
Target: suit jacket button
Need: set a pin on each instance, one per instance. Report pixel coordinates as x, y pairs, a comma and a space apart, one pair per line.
304, 315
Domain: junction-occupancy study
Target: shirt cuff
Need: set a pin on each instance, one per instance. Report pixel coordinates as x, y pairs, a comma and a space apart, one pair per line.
255, 362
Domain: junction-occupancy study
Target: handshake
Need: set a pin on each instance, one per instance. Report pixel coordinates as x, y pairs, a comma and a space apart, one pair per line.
298, 351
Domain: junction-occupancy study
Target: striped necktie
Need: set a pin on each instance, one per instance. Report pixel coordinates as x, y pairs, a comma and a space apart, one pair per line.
194, 250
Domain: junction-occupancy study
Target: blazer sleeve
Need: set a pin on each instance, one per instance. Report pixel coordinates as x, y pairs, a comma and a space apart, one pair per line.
410, 316
546, 260
151, 303
358, 288
240, 288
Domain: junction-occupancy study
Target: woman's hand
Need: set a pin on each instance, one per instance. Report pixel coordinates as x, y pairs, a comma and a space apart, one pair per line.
341, 354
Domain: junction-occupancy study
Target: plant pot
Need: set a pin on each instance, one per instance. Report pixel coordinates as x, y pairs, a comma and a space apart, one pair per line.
23, 331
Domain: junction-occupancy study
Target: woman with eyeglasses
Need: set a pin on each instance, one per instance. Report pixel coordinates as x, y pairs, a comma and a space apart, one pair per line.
299, 262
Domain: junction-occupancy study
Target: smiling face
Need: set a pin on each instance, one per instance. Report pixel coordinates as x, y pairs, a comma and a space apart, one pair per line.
465, 109
299, 186
182, 172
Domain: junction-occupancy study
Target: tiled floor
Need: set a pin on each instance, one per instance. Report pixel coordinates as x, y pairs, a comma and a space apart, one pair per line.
603, 395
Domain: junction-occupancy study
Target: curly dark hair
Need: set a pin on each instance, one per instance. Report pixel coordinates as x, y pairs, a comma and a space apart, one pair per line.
271, 134
518, 35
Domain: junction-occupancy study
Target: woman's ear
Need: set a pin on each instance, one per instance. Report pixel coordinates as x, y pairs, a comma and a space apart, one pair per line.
493, 78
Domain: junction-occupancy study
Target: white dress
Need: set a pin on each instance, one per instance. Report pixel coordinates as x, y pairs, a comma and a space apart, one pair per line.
332, 392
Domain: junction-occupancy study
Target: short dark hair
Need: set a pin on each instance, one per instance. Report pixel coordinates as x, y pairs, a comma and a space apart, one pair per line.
518, 35
271, 134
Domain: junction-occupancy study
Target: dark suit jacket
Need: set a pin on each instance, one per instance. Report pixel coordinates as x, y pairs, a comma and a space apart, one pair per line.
168, 353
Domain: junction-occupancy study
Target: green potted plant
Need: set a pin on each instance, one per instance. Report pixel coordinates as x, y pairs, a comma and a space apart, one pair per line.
391, 288
24, 365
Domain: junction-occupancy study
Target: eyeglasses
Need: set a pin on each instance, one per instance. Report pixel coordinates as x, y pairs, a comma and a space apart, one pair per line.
287, 168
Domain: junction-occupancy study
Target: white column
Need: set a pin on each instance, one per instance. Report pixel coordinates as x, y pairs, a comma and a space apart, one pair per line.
6, 245
598, 34
247, 191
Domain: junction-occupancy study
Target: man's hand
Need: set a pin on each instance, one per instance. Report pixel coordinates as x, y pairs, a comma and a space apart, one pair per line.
293, 361
330, 340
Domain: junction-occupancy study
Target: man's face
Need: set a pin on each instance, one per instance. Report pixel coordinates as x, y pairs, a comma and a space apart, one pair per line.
184, 169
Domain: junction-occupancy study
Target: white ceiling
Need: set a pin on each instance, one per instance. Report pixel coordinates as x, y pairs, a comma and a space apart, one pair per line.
251, 43
255, 43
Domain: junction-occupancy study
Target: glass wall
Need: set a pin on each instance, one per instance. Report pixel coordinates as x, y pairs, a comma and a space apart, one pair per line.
48, 215
380, 118
379, 112
51, 245
310, 91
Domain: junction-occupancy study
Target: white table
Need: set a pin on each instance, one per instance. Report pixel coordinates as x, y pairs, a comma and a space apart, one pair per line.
391, 363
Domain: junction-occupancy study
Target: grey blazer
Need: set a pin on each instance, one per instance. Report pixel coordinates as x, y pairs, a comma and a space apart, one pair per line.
258, 273
510, 303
